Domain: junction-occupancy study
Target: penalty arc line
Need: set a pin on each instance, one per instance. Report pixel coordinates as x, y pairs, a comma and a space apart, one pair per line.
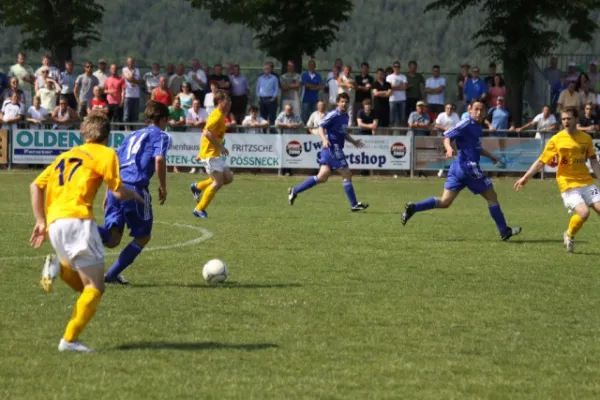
204, 237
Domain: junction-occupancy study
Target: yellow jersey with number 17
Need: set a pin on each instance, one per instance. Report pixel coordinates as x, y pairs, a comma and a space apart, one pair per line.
72, 181
215, 125
571, 153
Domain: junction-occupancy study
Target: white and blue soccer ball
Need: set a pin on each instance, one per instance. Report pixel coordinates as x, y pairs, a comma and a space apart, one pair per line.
215, 271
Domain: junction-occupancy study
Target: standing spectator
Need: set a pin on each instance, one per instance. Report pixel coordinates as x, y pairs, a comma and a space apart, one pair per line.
114, 88
364, 85
588, 122
53, 73
253, 122
544, 121
552, 73
100, 73
240, 89
41, 80
569, 97
198, 80
290, 87
176, 117
314, 121
557, 89
186, 97
170, 71
366, 119
3, 84
497, 90
48, 95
229, 69
222, 80
176, 80
67, 82
382, 90
196, 117
489, 80
475, 87
500, 118
399, 83
24, 73
64, 116
419, 120
435, 87
162, 94
347, 84
287, 121
37, 115
151, 79
209, 102
12, 112
414, 88
131, 75
84, 89
98, 104
336, 64
594, 75
14, 88
461, 103
312, 82
444, 122
267, 89
332, 89
585, 94
572, 74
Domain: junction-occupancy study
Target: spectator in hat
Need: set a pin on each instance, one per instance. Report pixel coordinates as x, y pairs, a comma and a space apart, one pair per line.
500, 118
419, 120
572, 74
100, 73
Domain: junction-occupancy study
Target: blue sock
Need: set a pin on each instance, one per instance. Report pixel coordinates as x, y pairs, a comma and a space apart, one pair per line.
349, 189
498, 216
125, 259
426, 204
104, 233
307, 184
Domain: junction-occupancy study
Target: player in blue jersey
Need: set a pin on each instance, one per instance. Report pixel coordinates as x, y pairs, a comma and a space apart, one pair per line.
466, 172
334, 133
141, 154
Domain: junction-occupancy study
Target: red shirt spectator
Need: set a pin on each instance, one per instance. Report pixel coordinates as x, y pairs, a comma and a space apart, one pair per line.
113, 87
162, 96
98, 103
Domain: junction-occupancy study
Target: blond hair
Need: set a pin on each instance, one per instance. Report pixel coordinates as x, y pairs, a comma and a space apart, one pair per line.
220, 95
95, 127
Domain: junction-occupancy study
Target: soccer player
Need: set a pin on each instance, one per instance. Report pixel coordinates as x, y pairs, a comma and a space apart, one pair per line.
70, 184
332, 155
466, 172
141, 154
213, 153
572, 148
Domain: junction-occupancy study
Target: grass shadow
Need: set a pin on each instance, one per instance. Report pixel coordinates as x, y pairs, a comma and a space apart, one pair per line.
194, 346
525, 241
224, 285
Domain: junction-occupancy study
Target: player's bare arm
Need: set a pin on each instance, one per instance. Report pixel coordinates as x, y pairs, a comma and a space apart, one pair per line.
448, 146
356, 142
208, 135
489, 155
161, 172
124, 193
37, 206
595, 166
534, 169
323, 137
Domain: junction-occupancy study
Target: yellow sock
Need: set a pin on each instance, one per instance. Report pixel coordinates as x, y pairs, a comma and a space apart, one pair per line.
82, 313
575, 224
71, 278
202, 185
207, 197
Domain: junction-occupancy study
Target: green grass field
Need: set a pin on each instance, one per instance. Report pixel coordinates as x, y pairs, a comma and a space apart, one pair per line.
321, 303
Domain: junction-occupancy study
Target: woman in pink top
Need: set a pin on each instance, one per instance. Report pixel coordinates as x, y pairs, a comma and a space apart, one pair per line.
497, 90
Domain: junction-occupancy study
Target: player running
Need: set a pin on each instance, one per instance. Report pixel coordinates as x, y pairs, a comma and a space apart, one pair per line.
141, 154
332, 155
70, 184
213, 153
572, 148
466, 172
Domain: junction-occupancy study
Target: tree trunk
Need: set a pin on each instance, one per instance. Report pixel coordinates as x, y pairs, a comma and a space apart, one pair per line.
515, 72
61, 54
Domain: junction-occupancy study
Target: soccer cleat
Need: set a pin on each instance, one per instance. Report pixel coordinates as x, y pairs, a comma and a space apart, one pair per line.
73, 346
511, 232
440, 173
359, 207
200, 214
197, 193
291, 196
193, 171
409, 211
120, 279
569, 243
49, 273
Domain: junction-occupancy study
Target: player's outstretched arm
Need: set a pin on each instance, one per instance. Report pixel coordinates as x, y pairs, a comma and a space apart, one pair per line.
534, 169
356, 142
37, 206
124, 193
448, 146
595, 166
161, 171
489, 155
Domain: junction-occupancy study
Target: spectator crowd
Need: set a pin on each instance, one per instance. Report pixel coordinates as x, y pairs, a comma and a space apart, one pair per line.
292, 103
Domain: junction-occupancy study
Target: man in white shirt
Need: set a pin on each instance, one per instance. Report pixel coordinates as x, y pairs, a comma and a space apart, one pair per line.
544, 121
332, 87
12, 112
347, 84
398, 82
197, 79
290, 87
315, 119
37, 114
196, 117
445, 121
435, 87
151, 78
100, 73
24, 73
253, 122
131, 109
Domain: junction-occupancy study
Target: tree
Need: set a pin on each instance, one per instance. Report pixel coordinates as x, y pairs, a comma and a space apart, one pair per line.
54, 25
516, 31
286, 30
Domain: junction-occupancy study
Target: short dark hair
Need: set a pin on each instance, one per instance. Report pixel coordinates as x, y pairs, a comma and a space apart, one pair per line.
253, 108
380, 70
412, 62
155, 111
364, 64
366, 101
342, 96
492, 65
435, 67
571, 110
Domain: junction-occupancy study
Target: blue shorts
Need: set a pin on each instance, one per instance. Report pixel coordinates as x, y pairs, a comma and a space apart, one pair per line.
468, 175
334, 159
138, 217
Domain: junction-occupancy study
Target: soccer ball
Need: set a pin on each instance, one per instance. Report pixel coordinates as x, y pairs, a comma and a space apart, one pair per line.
215, 271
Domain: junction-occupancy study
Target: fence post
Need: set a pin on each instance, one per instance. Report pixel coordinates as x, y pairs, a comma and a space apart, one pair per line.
542, 147
9, 147
281, 150
413, 158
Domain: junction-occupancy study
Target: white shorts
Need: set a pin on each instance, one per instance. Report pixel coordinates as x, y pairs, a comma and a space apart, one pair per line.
215, 164
589, 194
77, 242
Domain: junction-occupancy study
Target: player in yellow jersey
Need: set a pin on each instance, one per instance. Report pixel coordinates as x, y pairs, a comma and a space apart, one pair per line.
70, 184
211, 153
572, 149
